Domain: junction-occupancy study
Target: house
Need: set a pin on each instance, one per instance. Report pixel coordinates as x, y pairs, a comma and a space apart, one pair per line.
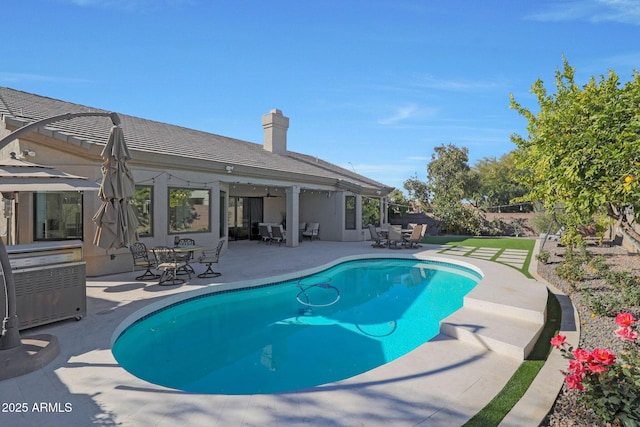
188, 183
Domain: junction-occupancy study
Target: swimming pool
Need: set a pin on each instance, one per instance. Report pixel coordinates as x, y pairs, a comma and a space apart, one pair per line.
298, 333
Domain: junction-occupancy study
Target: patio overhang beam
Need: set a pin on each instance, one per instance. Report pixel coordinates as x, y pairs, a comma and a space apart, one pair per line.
350, 186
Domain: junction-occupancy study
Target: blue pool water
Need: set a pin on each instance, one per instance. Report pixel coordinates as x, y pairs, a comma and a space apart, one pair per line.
297, 334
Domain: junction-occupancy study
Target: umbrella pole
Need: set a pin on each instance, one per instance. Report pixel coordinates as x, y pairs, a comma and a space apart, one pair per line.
10, 337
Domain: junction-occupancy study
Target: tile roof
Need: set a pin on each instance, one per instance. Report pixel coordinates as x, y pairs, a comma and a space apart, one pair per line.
166, 139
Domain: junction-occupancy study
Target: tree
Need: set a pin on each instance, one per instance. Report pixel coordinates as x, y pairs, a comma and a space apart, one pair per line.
398, 203
417, 191
583, 146
370, 211
451, 181
498, 183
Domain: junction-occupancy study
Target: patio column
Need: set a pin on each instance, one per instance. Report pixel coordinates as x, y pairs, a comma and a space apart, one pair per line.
384, 208
293, 215
359, 216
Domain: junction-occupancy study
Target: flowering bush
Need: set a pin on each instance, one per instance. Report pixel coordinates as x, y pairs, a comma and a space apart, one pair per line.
610, 384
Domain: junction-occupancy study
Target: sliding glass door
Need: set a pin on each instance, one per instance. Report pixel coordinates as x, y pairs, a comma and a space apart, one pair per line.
244, 215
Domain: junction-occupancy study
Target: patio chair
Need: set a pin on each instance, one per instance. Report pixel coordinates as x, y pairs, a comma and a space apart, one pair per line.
395, 237
141, 259
186, 256
378, 240
413, 241
208, 258
301, 228
278, 234
265, 233
169, 264
311, 231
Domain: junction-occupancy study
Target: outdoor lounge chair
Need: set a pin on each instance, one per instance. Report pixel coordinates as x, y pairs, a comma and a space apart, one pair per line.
378, 240
265, 233
141, 259
169, 264
301, 228
395, 237
278, 234
413, 241
210, 257
311, 231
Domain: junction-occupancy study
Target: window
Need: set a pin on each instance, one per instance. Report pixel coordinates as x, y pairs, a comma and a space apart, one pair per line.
350, 213
58, 216
143, 205
188, 210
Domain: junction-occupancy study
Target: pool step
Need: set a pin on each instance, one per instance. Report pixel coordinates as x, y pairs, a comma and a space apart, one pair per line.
504, 334
523, 299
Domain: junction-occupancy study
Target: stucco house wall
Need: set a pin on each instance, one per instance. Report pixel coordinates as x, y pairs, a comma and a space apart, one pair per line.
302, 188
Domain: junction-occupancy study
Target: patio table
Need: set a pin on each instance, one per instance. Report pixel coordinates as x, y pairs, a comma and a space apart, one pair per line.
184, 249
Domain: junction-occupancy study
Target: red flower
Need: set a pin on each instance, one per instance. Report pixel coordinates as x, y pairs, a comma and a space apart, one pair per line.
574, 382
558, 340
576, 367
603, 356
582, 355
625, 319
627, 334
596, 368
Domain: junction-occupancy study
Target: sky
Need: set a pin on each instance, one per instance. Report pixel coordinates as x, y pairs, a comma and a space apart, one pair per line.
370, 85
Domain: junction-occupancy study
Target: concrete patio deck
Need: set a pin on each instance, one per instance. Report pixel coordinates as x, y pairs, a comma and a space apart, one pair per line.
442, 383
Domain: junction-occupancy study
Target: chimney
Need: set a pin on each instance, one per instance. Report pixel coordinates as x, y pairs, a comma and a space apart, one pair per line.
275, 131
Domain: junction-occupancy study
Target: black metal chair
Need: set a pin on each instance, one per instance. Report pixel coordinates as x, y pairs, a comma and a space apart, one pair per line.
186, 256
141, 259
210, 257
169, 264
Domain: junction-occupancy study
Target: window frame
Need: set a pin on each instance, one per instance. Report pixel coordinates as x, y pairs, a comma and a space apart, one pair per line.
350, 213
169, 211
79, 215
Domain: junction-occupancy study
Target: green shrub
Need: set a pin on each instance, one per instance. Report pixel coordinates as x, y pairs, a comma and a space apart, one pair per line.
543, 257
570, 269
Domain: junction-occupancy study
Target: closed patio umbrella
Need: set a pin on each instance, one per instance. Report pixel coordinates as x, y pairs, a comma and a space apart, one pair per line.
116, 219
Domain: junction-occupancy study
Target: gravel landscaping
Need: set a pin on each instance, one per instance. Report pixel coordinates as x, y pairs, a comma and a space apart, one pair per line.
596, 330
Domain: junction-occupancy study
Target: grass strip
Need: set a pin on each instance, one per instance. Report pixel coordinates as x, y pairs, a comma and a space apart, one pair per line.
505, 400
485, 242
488, 242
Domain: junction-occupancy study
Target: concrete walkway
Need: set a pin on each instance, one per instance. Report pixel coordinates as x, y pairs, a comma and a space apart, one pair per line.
442, 383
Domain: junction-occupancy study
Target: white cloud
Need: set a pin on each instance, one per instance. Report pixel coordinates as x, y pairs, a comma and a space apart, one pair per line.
431, 82
405, 113
622, 11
